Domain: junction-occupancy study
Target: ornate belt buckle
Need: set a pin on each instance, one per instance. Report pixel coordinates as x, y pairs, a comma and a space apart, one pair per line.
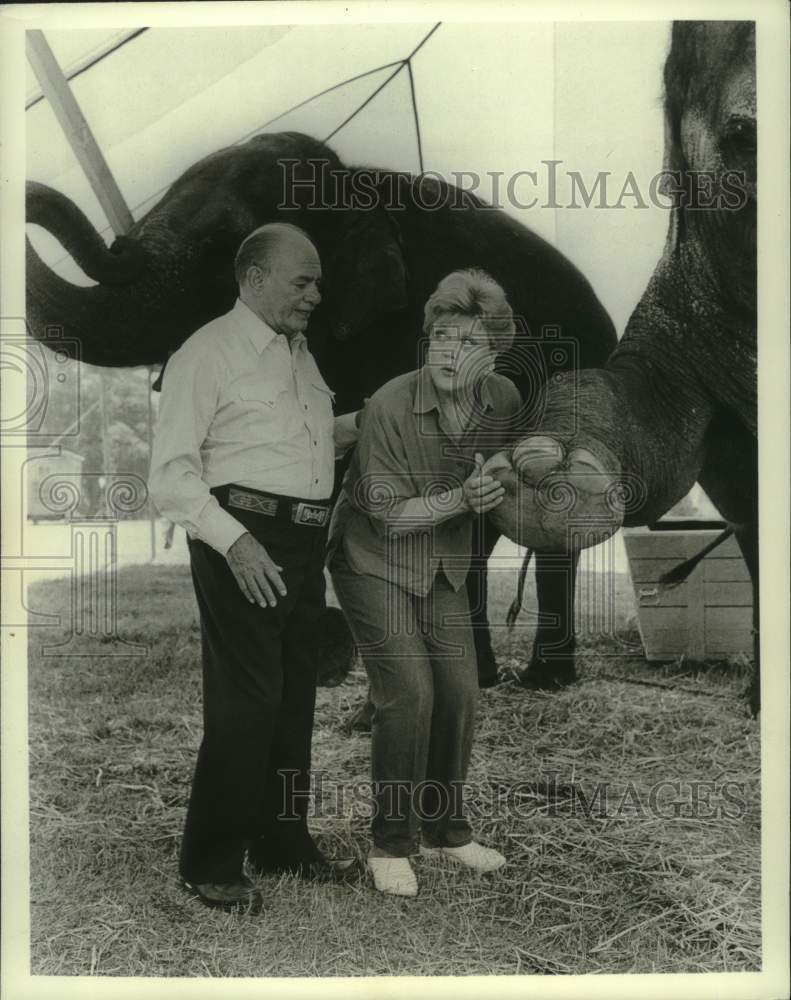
308, 513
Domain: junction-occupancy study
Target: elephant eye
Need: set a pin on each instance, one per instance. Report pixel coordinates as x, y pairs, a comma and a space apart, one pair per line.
740, 133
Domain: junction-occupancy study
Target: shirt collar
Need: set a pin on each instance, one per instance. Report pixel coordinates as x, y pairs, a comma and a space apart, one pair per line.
426, 395
259, 333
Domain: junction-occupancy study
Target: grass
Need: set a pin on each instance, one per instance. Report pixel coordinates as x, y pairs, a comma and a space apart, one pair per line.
623, 886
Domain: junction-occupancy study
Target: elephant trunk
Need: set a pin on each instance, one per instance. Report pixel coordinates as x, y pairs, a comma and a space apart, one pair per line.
564, 488
146, 302
618, 445
118, 265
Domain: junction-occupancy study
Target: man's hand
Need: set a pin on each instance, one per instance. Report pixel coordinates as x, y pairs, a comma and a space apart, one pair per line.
257, 575
481, 491
358, 416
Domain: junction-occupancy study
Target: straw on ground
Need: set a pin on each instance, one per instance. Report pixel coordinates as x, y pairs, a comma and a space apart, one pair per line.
629, 815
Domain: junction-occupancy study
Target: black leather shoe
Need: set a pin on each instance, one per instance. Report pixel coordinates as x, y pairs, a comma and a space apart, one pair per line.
240, 895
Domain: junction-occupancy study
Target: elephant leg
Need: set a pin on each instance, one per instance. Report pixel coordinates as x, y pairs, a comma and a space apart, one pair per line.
361, 720
747, 537
484, 538
730, 478
336, 645
552, 661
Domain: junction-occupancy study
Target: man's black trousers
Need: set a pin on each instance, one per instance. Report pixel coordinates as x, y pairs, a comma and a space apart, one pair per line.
252, 779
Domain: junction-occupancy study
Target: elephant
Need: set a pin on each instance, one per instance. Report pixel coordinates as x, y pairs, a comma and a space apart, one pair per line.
385, 239
676, 401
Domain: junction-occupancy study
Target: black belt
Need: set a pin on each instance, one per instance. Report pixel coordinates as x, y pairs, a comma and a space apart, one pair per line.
311, 513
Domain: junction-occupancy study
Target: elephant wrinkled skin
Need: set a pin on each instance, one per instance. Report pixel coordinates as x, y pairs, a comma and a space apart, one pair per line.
677, 400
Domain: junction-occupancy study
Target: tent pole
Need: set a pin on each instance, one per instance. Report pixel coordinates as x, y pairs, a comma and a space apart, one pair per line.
150, 426
106, 458
56, 88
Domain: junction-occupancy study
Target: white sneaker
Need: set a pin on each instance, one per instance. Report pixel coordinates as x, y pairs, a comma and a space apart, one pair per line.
393, 875
472, 855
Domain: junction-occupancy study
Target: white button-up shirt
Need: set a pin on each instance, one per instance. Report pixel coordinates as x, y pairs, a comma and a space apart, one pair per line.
240, 404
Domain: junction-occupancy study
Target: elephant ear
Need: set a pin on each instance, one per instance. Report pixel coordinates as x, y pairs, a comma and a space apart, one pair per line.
367, 278
673, 164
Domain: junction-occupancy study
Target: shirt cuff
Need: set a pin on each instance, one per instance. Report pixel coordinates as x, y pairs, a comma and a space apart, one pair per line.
218, 528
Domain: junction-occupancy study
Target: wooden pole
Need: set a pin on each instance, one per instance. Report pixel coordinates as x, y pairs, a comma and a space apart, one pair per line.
56, 88
106, 461
150, 428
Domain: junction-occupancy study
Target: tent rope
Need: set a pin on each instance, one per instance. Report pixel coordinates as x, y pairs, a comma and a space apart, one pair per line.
421, 43
266, 124
321, 93
366, 102
415, 115
82, 68
400, 64
407, 62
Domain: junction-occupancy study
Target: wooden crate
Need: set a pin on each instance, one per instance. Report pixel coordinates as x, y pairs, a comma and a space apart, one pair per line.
708, 616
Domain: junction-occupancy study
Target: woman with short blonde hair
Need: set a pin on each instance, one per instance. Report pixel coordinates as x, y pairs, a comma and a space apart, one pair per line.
399, 554
473, 293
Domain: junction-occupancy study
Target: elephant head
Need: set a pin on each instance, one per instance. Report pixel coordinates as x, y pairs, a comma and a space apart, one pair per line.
173, 271
624, 443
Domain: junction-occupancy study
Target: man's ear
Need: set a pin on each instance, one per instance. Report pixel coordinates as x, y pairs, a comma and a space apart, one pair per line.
255, 277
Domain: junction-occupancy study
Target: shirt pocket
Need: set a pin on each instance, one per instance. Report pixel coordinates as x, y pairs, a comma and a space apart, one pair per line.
262, 390
261, 410
323, 395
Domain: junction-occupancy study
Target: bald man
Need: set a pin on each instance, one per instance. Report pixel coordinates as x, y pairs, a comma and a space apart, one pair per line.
243, 459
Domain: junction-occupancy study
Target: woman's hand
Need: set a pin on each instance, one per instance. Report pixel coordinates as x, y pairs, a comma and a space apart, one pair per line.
481, 491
